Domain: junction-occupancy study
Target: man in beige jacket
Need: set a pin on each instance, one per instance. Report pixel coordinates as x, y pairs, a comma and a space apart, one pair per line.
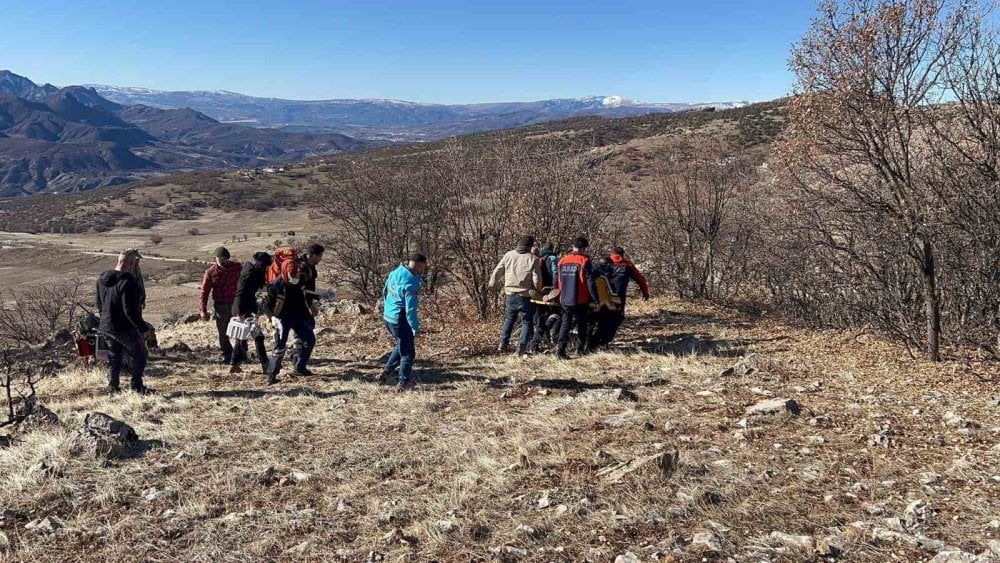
521, 273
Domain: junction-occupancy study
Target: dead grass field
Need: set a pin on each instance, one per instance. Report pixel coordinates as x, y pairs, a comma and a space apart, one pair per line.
498, 458
172, 268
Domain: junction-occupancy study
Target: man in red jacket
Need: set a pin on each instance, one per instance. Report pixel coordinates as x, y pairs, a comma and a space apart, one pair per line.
220, 282
624, 271
576, 292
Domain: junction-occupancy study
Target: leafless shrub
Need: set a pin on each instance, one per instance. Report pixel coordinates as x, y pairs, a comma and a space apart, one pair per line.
697, 221
877, 195
31, 314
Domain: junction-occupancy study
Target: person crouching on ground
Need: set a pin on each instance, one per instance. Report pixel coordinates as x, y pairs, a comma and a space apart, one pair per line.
220, 281
522, 274
251, 281
118, 300
401, 296
289, 312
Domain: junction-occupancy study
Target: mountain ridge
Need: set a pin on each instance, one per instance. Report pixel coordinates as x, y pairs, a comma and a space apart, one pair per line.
72, 139
385, 119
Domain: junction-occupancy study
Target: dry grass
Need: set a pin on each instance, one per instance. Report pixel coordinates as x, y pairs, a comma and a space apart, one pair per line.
455, 470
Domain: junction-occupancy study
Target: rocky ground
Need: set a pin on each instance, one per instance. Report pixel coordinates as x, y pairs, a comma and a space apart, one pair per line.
705, 436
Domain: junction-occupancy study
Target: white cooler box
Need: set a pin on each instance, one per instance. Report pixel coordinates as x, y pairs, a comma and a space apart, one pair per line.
242, 330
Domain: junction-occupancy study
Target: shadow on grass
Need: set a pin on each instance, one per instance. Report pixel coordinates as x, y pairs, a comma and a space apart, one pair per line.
425, 372
140, 447
696, 344
258, 393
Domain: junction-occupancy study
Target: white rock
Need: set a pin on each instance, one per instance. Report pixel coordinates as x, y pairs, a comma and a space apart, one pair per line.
915, 513
44, 525
544, 501
956, 556
958, 421
798, 542
929, 477
628, 557
774, 406
445, 525
5, 544
706, 541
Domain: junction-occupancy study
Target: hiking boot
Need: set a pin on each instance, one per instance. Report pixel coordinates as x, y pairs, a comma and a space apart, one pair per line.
503, 349
401, 388
235, 369
112, 391
272, 379
381, 378
303, 373
143, 391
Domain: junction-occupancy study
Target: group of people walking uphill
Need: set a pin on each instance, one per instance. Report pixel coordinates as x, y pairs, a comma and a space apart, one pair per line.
547, 294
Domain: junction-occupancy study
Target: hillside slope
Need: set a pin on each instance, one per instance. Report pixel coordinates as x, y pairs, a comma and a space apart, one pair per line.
626, 150
495, 458
74, 139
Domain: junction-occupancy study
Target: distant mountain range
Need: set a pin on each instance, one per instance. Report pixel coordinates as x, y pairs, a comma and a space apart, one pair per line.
387, 120
65, 139
81, 137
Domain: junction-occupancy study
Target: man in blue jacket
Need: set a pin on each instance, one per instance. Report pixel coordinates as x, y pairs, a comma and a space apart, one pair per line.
401, 296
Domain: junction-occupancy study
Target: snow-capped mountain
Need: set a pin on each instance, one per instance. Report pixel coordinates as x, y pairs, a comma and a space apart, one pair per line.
384, 119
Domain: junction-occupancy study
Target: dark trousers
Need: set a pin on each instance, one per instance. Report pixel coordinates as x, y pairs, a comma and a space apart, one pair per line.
282, 329
580, 316
404, 354
518, 306
298, 344
616, 323
603, 327
130, 343
223, 313
240, 352
546, 325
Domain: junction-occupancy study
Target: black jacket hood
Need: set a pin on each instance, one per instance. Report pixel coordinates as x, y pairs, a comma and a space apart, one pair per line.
113, 277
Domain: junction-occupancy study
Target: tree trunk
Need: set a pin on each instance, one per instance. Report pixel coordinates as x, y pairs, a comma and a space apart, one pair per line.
932, 305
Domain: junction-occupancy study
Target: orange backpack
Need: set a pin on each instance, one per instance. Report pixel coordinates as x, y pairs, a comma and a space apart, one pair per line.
281, 256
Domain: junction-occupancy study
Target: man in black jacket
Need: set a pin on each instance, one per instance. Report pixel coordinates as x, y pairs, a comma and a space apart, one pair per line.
119, 301
245, 305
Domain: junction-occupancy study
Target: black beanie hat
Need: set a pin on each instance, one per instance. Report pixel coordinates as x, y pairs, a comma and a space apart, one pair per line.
262, 258
527, 241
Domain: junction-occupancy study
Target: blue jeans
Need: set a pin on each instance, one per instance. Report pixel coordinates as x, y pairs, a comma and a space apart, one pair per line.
518, 305
130, 343
404, 353
282, 329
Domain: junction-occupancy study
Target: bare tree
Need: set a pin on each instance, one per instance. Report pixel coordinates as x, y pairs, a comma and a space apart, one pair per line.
695, 218
31, 314
867, 72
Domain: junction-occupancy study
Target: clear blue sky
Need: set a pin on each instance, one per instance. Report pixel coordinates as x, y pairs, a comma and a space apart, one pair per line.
442, 51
